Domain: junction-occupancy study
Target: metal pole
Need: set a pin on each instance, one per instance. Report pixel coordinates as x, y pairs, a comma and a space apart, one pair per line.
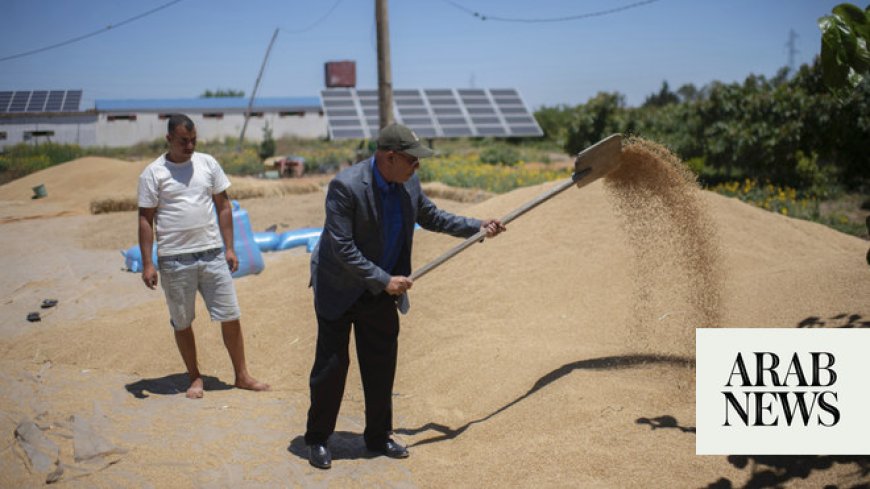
385, 78
254, 92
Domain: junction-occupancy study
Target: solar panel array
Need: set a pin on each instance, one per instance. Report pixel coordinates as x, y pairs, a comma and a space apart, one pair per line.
431, 113
40, 101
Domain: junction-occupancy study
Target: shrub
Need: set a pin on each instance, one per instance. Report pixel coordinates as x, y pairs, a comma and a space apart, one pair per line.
459, 171
821, 181
325, 161
500, 155
267, 146
696, 165
246, 162
24, 159
19, 166
783, 200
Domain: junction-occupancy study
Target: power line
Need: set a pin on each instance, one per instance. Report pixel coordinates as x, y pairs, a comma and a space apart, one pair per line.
91, 34
316, 22
551, 19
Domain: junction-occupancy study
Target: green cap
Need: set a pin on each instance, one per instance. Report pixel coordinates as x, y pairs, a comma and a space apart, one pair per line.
397, 137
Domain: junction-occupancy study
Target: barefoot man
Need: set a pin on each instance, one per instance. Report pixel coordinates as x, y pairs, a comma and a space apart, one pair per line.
179, 192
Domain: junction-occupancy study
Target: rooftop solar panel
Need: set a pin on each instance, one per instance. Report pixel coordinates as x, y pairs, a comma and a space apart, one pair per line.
37, 101
19, 101
5, 98
33, 101
72, 100
55, 101
432, 112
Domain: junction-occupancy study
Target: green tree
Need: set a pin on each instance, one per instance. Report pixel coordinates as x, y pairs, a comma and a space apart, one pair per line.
267, 146
791, 131
664, 97
554, 121
845, 47
594, 121
688, 93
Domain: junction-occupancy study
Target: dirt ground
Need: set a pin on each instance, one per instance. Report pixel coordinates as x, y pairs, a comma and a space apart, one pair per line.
521, 361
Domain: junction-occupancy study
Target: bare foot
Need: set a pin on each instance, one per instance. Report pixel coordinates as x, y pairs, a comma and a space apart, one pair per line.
251, 384
195, 389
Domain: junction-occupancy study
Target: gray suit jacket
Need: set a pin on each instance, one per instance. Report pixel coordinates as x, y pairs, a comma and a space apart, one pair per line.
343, 262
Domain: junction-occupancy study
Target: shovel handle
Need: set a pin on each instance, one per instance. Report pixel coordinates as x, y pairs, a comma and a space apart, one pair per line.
593, 162
480, 235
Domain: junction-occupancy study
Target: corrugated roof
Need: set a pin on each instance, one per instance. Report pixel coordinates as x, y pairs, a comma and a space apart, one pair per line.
231, 104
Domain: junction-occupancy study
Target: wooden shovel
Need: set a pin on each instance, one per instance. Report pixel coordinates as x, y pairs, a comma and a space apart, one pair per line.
591, 164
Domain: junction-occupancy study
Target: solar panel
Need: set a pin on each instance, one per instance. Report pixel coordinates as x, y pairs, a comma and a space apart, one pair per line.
5, 98
40, 101
19, 101
431, 113
37, 101
55, 101
72, 100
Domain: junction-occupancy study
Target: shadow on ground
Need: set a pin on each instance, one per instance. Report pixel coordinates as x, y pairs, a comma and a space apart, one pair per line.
843, 320
778, 470
604, 363
666, 421
172, 384
343, 445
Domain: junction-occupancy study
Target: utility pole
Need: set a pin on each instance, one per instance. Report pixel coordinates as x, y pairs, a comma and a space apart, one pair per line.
254, 92
385, 78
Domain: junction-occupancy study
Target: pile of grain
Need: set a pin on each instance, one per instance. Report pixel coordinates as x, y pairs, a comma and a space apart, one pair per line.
520, 362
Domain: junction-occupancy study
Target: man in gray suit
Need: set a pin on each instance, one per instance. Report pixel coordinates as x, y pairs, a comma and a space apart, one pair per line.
359, 272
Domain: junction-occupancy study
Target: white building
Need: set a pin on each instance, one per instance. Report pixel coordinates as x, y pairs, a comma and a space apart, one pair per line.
42, 115
127, 122
45, 115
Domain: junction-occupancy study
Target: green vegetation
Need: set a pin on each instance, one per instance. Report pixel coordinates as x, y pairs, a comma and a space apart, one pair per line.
845, 48
795, 143
500, 154
472, 172
790, 131
24, 159
267, 146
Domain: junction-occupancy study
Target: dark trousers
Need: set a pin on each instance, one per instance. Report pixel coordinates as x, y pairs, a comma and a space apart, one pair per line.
376, 331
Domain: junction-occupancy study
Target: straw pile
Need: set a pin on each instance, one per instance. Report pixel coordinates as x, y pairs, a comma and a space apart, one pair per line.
99, 185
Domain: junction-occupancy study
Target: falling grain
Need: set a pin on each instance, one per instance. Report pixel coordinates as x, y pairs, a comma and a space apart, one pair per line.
674, 244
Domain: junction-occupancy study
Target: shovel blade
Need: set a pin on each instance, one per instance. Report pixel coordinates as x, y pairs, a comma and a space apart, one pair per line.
598, 160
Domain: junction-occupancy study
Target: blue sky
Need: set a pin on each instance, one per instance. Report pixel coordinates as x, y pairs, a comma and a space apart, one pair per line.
194, 45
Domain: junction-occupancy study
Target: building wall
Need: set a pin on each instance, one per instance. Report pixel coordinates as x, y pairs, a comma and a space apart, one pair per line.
114, 130
65, 129
117, 130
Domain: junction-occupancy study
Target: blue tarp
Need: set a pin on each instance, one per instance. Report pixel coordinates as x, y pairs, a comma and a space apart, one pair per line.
246, 248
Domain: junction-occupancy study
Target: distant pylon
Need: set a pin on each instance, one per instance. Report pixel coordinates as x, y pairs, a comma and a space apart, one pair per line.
792, 50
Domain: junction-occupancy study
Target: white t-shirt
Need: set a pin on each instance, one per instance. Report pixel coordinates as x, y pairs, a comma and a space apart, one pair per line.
185, 220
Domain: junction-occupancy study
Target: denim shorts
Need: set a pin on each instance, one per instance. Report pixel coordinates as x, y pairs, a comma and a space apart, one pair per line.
206, 271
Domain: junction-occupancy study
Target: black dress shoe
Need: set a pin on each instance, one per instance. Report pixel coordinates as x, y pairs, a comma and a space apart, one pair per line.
319, 456
391, 448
